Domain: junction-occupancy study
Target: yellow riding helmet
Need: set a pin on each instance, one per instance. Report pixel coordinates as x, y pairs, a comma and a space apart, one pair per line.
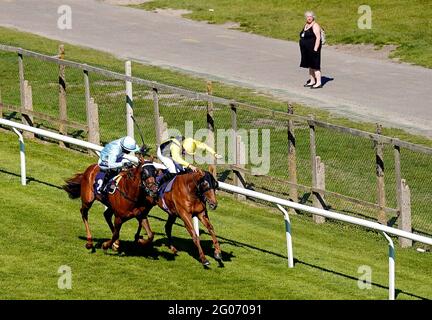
189, 145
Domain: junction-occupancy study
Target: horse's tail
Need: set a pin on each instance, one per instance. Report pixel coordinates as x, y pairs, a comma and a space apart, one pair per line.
73, 186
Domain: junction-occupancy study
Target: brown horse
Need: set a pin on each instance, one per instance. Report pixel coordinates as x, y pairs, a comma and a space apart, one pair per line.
134, 197
188, 197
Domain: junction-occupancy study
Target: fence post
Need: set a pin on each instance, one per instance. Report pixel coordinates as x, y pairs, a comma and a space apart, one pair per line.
62, 94
318, 199
21, 79
405, 214
292, 163
234, 132
92, 113
129, 101
315, 167
379, 160
210, 126
27, 119
156, 116
240, 162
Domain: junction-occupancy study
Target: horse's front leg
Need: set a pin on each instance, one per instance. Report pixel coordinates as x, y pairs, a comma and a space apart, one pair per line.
143, 222
187, 219
206, 222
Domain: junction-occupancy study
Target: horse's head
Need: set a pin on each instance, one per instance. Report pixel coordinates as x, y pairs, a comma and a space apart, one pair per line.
148, 179
207, 186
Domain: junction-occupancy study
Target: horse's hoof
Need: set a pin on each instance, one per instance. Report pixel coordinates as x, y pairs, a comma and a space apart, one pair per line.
115, 246
206, 263
218, 256
89, 245
105, 246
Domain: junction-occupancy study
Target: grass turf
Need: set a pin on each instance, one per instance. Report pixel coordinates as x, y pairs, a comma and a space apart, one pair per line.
42, 230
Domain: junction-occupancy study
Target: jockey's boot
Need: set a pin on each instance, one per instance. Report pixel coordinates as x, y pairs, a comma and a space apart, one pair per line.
165, 178
106, 187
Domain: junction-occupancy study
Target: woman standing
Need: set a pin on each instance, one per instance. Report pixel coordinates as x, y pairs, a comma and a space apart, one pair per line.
310, 48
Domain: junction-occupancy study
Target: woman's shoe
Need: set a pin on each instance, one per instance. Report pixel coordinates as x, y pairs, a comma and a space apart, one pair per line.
308, 84
317, 87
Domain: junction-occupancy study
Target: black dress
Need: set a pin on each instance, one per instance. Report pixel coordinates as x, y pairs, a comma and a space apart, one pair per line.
309, 58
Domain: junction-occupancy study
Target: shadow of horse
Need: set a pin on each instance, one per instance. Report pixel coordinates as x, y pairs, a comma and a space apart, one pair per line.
129, 248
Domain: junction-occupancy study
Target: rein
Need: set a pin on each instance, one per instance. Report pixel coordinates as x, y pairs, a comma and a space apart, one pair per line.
142, 185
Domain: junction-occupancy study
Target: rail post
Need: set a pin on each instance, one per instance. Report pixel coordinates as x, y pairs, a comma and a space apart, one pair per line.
288, 236
391, 267
22, 157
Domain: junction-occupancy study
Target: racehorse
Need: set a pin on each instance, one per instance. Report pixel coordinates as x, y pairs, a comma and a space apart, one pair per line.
188, 197
135, 195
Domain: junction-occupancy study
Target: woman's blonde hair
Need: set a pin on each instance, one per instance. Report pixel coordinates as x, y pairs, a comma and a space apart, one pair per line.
309, 14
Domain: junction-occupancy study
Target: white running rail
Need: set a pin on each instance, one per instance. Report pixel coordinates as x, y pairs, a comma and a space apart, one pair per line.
280, 203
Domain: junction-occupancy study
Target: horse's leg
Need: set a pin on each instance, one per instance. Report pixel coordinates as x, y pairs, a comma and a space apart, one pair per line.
137, 234
85, 207
187, 219
143, 222
108, 213
168, 230
116, 234
206, 222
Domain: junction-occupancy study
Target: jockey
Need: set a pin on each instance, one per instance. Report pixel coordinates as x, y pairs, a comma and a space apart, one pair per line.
171, 153
112, 159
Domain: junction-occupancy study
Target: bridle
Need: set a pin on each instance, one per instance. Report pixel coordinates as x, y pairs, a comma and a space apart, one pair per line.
202, 191
145, 174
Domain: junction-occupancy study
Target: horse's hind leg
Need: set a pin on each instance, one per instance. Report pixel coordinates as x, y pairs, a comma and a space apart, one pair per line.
206, 222
168, 230
85, 207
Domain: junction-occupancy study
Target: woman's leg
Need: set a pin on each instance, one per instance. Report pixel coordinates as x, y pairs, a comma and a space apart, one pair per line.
317, 74
312, 76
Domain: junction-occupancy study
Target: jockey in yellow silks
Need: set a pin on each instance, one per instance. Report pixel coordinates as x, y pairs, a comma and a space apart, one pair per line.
171, 153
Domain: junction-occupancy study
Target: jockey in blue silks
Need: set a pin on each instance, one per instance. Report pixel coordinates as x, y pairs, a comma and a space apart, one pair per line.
112, 159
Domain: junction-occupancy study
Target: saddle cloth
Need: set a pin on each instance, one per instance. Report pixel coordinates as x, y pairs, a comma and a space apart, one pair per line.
97, 185
166, 187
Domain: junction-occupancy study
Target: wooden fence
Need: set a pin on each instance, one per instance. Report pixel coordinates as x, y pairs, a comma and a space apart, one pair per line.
317, 189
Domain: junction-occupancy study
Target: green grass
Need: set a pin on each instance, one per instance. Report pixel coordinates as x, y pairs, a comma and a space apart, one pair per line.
400, 23
350, 161
42, 230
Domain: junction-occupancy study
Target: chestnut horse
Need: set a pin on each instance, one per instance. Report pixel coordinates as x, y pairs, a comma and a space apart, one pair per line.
188, 197
135, 195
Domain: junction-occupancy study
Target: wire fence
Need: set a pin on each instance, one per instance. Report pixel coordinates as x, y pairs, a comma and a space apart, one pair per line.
350, 182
